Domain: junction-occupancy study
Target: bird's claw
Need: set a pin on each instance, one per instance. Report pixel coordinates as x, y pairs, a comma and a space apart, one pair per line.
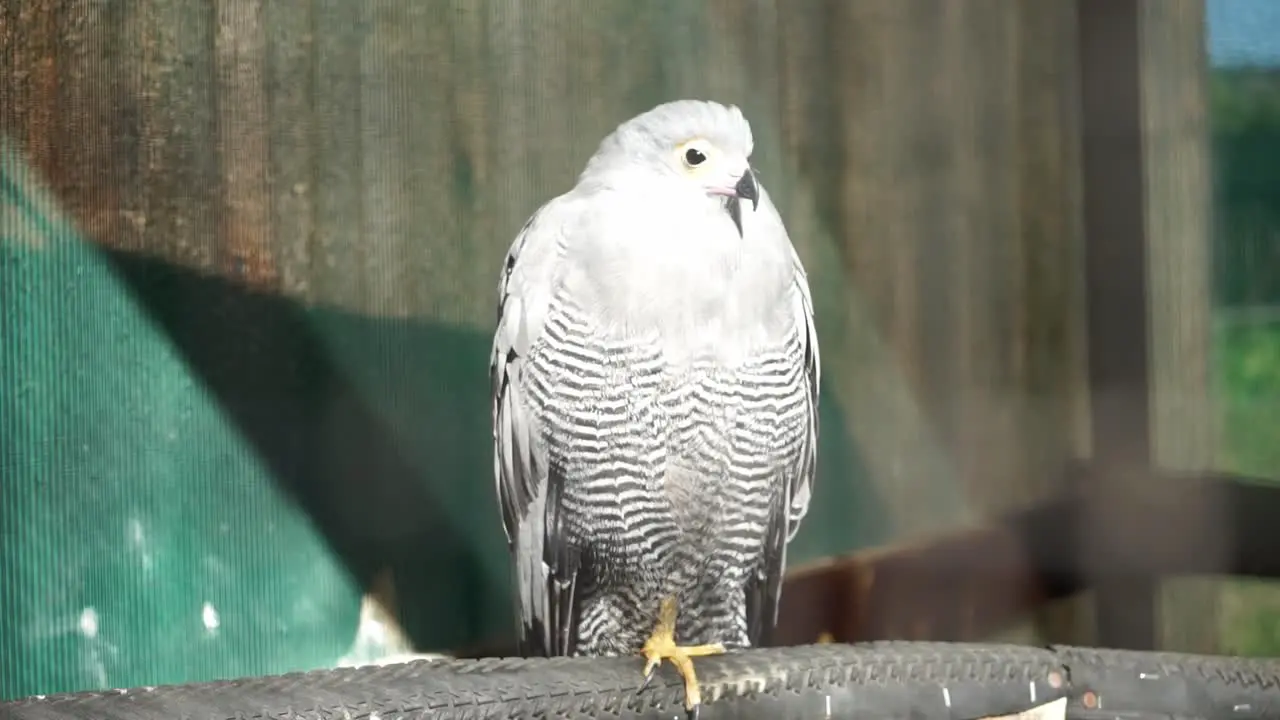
661, 645
691, 712
682, 659
650, 670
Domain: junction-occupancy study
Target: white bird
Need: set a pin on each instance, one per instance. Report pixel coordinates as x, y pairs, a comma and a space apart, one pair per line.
655, 398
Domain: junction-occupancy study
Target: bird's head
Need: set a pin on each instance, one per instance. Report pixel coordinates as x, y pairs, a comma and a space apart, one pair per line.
697, 146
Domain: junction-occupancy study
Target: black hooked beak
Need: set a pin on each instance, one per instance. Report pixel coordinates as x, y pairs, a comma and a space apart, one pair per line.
746, 189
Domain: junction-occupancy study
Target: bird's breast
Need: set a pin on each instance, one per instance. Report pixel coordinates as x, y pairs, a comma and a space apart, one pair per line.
704, 292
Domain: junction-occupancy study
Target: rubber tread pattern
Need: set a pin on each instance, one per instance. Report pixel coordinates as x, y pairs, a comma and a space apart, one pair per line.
1172, 685
921, 681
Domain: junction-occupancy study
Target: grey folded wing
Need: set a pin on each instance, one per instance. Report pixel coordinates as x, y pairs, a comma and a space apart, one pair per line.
528, 485
764, 592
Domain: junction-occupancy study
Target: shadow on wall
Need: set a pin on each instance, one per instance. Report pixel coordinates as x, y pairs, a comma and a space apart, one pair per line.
380, 429
161, 428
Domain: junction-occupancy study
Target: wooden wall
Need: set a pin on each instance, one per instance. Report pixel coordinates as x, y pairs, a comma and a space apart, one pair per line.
378, 157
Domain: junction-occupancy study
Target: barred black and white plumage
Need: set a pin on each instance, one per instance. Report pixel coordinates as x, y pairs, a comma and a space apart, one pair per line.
655, 393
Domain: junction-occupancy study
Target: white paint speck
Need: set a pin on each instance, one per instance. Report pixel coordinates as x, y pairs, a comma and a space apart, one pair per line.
89, 623
946, 697
138, 538
828, 707
209, 615
1033, 690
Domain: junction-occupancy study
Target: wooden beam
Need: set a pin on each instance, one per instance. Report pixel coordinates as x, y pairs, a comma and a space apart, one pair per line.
1117, 314
1163, 535
1179, 204
969, 584
966, 585
958, 586
961, 586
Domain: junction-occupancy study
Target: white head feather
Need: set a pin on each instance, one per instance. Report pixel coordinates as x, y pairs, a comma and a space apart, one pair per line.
655, 249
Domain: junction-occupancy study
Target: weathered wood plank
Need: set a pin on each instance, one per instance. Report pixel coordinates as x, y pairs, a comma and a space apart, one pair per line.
98, 113
245, 246
1178, 183
378, 157
176, 215
291, 104
1047, 310
336, 268
1117, 308
942, 221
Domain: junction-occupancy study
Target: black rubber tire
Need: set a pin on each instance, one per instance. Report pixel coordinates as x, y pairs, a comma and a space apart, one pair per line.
1171, 685
875, 680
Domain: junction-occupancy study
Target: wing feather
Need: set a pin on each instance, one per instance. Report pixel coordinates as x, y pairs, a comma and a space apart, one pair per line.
802, 490
765, 592
528, 486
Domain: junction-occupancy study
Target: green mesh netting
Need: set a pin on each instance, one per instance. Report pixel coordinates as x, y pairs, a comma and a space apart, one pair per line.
143, 538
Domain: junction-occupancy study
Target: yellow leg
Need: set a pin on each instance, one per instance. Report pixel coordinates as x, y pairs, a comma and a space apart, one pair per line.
661, 645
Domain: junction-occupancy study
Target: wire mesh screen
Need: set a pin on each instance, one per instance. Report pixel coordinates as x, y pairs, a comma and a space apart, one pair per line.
248, 264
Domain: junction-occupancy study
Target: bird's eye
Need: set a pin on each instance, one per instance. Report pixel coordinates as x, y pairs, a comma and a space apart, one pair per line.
693, 157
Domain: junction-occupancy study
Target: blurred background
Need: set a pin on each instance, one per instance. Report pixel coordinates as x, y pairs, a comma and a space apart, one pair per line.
249, 251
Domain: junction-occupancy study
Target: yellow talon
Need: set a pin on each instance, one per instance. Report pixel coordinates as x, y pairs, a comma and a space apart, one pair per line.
661, 645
